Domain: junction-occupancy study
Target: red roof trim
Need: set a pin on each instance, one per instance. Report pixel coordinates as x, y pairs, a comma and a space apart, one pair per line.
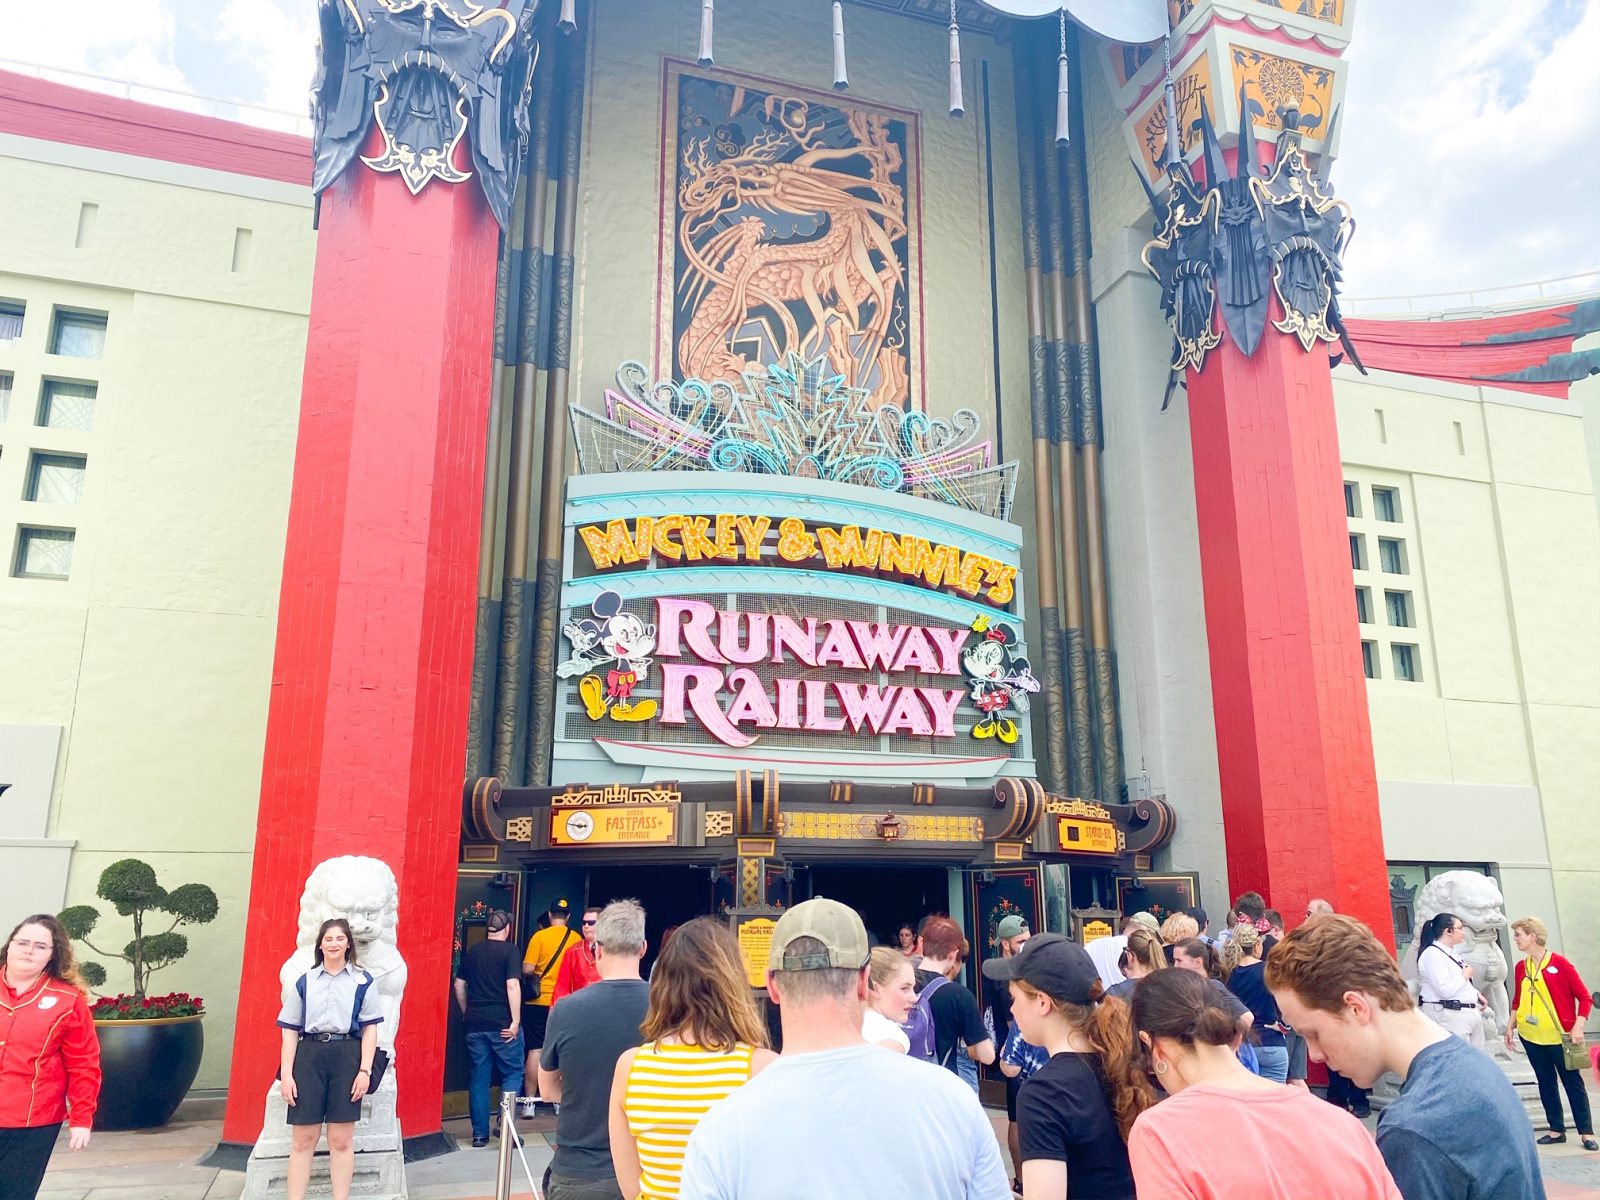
53, 112
1470, 350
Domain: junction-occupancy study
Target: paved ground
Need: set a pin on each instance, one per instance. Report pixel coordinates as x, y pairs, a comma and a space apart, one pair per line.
163, 1164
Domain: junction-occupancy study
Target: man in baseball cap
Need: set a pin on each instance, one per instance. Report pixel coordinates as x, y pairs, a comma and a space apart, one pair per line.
1011, 935
825, 1110
1051, 964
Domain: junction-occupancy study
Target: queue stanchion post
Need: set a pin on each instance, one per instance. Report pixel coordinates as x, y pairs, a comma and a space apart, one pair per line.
508, 1139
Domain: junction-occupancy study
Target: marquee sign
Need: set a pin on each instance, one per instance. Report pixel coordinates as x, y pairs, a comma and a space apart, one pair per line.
707, 657
779, 574
734, 539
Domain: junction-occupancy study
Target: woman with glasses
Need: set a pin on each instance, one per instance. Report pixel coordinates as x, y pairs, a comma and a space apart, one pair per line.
1551, 1005
50, 1058
1448, 996
579, 967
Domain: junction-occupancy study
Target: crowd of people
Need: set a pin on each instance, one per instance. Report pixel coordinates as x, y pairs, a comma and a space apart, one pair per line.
1130, 1066
1127, 1064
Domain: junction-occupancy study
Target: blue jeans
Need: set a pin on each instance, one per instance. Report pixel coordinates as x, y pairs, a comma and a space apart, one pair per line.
491, 1053
1274, 1062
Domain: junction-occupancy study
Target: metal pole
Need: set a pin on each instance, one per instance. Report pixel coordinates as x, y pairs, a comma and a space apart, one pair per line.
508, 1139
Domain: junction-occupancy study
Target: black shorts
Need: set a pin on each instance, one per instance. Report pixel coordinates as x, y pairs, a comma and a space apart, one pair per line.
1013, 1086
534, 1019
324, 1073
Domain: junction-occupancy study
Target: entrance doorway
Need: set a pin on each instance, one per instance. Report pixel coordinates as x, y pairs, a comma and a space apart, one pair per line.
885, 896
671, 895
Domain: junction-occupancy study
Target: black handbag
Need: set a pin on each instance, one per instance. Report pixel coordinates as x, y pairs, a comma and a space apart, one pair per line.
380, 1065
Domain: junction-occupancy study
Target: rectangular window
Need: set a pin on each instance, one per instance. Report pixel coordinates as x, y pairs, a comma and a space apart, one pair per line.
55, 479
1369, 659
1398, 605
1352, 500
78, 334
1358, 560
1405, 662
1392, 556
5, 396
10, 322
43, 553
67, 405
1385, 504
1364, 605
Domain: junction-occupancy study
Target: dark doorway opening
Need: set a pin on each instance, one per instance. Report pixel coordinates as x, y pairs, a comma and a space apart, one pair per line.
884, 896
671, 895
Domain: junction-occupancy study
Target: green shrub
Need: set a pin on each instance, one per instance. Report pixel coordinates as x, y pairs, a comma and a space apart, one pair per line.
131, 887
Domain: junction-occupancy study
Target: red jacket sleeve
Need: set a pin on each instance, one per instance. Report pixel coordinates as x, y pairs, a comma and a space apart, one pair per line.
566, 978
1576, 985
80, 1048
1516, 990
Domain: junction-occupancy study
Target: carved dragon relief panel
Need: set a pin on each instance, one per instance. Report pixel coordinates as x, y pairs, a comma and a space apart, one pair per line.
790, 228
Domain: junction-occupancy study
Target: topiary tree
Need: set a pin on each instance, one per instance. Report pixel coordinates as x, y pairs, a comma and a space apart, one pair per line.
130, 885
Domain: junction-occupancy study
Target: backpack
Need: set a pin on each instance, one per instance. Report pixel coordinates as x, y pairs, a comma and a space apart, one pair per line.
919, 1022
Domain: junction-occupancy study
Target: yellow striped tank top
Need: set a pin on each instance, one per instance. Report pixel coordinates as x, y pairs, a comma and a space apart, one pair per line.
669, 1089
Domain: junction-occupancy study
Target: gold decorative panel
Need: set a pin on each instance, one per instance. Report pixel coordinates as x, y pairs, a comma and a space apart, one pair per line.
719, 823
519, 829
1078, 808
791, 228
863, 826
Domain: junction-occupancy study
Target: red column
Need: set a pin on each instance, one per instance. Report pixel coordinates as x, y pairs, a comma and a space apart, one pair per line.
366, 726
1294, 740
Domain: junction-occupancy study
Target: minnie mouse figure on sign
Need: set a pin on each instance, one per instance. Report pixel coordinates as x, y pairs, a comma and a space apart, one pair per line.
610, 636
1000, 680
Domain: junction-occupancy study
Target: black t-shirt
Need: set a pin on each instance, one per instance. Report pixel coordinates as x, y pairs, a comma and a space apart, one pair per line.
485, 968
999, 1007
955, 1018
1063, 1115
588, 1032
1249, 983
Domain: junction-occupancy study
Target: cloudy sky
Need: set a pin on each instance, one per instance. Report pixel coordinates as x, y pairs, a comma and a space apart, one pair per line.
1470, 146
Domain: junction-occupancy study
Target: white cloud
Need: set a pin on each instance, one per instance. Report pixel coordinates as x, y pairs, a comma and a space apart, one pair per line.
130, 40
1468, 149
276, 51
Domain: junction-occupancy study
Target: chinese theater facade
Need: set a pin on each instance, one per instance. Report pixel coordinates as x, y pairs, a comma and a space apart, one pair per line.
733, 468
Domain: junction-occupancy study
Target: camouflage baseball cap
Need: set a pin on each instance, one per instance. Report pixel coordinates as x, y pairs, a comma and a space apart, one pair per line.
833, 924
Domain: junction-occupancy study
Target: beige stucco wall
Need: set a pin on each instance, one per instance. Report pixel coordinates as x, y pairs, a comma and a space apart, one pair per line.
1494, 755
154, 656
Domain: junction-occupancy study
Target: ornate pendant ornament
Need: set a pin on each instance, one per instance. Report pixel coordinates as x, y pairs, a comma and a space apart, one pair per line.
1307, 231
432, 74
1225, 240
1181, 256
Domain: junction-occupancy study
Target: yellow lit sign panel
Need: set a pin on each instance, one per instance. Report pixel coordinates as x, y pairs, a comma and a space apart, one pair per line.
755, 945
1086, 837
625, 825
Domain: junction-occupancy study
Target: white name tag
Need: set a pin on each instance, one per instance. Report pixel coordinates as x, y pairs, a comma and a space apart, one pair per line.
48, 1002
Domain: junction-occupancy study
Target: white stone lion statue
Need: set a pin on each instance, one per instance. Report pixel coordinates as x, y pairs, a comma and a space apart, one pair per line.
1476, 899
362, 891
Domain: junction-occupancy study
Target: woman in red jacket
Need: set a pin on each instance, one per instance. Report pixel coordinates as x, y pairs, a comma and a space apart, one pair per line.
49, 1054
1551, 1001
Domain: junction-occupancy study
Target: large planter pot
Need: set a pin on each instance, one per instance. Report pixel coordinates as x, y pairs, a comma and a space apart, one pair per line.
147, 1067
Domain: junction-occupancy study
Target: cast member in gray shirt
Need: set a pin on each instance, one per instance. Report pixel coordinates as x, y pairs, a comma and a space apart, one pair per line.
587, 1034
1457, 1132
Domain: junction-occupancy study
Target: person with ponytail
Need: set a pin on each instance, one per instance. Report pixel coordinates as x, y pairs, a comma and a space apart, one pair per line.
1074, 1115
1448, 996
1140, 957
1241, 958
1283, 1143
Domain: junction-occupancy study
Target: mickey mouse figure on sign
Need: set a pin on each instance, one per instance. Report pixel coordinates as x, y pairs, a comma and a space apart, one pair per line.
616, 637
1000, 680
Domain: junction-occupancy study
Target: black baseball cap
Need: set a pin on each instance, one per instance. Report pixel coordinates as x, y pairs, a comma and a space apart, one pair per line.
498, 920
1053, 964
560, 908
